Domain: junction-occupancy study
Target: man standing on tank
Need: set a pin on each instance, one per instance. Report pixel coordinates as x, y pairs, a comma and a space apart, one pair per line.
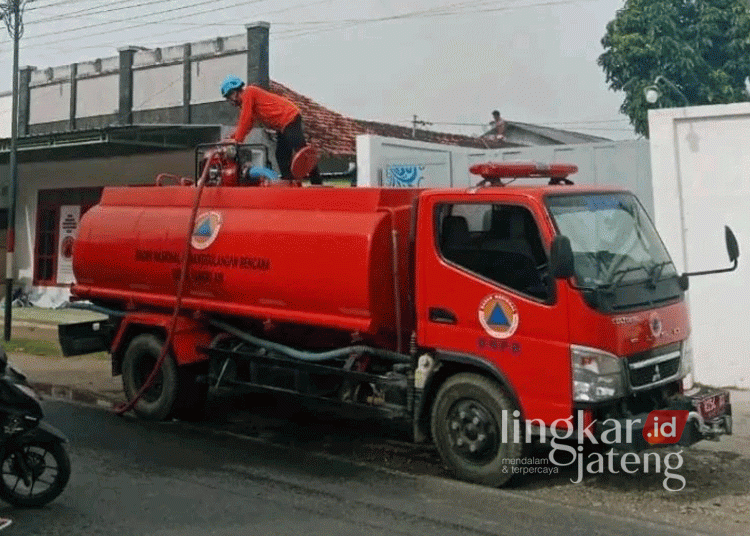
275, 112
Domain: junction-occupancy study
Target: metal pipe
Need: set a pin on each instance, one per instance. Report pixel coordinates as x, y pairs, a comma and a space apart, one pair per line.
15, 9
396, 286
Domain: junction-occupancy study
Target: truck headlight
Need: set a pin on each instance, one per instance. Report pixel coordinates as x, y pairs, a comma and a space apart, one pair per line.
686, 365
597, 375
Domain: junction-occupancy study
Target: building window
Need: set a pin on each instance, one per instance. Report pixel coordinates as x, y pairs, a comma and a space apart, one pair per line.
45, 246
58, 211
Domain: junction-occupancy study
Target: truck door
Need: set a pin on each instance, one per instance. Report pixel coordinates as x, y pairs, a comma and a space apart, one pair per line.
483, 293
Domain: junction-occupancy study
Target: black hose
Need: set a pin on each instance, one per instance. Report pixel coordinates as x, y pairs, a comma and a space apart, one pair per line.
311, 356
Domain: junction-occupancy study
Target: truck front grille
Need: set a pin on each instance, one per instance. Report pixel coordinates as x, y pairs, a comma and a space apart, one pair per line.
654, 367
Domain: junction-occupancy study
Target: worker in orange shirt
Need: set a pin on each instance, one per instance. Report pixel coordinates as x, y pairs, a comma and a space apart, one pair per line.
277, 113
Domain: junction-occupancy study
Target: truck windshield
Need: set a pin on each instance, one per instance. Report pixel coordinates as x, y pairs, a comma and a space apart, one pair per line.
613, 240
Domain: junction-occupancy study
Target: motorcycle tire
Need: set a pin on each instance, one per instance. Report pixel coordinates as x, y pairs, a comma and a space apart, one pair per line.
46, 481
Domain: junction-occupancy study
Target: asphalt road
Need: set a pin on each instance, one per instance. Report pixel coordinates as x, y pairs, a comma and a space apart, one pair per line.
132, 477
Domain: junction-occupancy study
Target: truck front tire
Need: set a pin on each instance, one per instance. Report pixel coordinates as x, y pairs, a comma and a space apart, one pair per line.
467, 429
157, 403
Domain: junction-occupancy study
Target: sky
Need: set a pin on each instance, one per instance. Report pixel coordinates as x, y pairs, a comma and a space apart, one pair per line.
448, 62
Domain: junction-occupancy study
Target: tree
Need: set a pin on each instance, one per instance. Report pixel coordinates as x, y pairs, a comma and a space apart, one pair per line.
701, 46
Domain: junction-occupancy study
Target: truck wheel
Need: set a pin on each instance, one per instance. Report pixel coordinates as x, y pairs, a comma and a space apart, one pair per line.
466, 428
157, 403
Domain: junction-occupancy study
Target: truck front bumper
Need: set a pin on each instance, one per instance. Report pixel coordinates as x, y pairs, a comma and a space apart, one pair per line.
709, 416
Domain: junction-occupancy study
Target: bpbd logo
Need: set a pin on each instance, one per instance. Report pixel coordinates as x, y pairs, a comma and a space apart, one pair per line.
498, 316
206, 230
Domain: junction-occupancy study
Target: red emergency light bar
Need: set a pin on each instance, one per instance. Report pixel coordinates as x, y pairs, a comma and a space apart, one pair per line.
493, 172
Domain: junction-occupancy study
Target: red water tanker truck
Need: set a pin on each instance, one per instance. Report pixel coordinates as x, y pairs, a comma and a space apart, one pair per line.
469, 314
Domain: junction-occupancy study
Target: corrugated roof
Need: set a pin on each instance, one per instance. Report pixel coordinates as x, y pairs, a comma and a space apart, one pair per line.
555, 135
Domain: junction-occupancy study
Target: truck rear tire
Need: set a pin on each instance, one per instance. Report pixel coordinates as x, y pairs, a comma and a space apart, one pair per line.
157, 403
466, 428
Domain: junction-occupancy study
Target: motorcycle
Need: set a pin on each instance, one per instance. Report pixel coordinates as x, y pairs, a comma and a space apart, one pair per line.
34, 465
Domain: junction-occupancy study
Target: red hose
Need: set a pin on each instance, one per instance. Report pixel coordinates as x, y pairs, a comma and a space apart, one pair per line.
127, 406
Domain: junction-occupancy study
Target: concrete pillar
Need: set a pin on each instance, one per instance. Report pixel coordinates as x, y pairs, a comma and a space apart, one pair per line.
125, 115
73, 95
24, 99
257, 54
187, 83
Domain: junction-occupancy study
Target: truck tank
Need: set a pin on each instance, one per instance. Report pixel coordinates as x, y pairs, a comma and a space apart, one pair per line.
311, 256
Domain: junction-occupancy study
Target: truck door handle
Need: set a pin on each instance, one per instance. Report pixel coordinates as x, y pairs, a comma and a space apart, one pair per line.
442, 316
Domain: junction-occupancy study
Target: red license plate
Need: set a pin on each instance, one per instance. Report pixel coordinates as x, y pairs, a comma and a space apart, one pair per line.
711, 406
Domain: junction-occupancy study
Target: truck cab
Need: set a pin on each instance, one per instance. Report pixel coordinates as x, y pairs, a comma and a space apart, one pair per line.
565, 299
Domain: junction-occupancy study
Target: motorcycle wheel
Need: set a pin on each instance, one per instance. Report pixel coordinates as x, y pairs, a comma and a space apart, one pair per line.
46, 467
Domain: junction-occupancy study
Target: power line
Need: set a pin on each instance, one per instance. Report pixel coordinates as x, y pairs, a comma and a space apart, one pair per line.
579, 126
95, 10
106, 8
192, 25
232, 22
145, 23
62, 2
323, 26
326, 26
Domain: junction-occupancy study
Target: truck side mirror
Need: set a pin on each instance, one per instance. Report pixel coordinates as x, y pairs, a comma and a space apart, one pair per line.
562, 264
733, 250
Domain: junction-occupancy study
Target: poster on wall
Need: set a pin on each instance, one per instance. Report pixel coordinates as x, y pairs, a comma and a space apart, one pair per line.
69, 217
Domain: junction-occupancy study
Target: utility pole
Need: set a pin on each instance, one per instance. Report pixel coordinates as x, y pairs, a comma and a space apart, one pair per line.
414, 124
11, 13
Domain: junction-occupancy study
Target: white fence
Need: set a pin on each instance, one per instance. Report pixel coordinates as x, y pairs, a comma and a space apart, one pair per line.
701, 176
395, 162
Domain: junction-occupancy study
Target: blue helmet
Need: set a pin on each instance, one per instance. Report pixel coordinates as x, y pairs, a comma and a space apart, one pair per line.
229, 84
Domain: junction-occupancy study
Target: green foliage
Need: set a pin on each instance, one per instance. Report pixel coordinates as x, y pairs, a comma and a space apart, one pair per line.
701, 46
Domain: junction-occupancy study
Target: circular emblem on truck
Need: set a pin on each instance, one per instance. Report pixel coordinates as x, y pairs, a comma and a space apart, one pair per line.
654, 322
498, 316
206, 229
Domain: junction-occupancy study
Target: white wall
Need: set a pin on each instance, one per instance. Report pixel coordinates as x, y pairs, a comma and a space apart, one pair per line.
99, 95
157, 81
701, 178
157, 87
56, 103
207, 75
622, 163
379, 159
6, 107
124, 170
